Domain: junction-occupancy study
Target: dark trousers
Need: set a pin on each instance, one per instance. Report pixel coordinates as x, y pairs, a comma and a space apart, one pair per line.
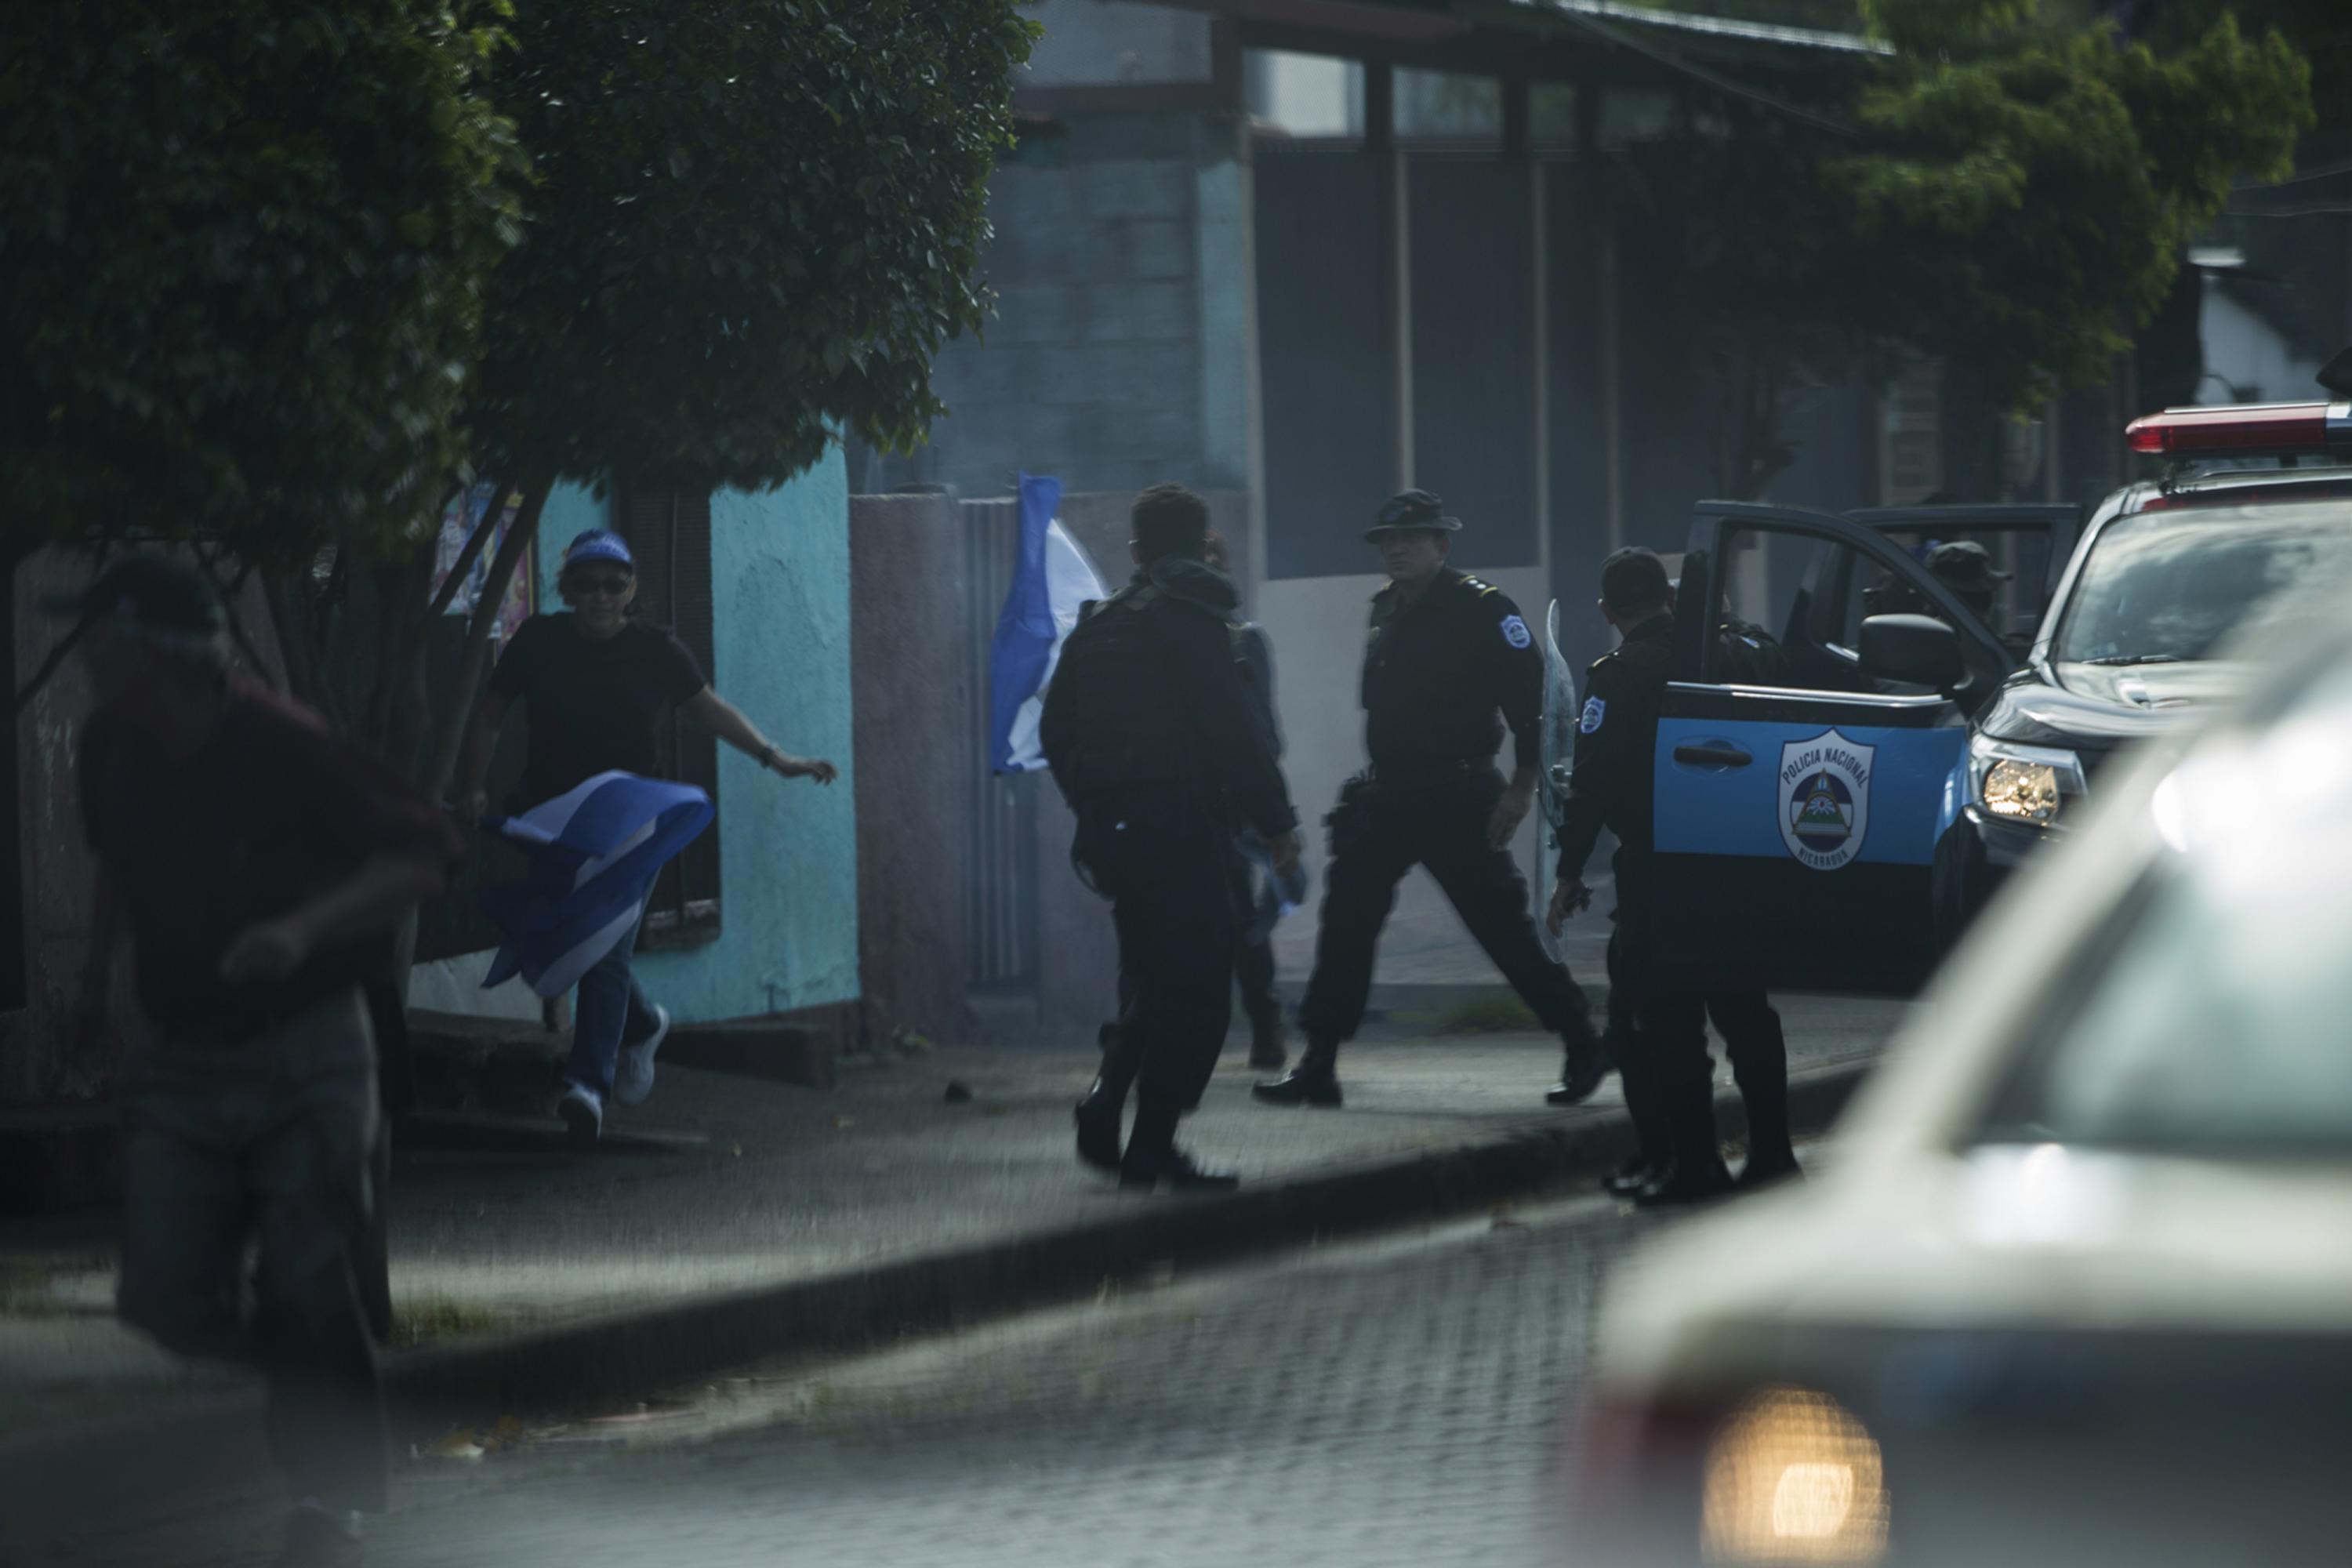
1668, 1075
1252, 978
1162, 862
1379, 833
267, 1141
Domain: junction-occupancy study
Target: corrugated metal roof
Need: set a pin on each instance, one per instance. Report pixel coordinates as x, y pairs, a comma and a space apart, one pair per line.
1718, 26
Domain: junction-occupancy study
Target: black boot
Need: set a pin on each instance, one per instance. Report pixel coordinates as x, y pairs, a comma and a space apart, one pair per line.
1173, 1169
1581, 1073
1653, 1150
1154, 1161
1760, 1066
1697, 1172
1098, 1118
1314, 1081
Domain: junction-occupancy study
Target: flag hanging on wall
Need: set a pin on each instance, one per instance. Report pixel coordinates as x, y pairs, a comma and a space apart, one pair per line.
590, 859
1051, 578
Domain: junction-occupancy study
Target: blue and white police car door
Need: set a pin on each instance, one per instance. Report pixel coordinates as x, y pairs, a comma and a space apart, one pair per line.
1796, 829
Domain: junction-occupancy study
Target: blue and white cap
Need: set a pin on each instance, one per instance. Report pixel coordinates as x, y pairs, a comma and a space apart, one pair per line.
598, 544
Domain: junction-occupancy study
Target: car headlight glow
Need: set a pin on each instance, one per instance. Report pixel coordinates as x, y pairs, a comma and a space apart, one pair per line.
1793, 1478
2023, 784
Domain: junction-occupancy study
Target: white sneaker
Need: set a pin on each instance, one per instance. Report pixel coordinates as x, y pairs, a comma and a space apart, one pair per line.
583, 1110
634, 1080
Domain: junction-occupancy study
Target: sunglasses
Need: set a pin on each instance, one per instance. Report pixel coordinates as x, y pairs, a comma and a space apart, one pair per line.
612, 586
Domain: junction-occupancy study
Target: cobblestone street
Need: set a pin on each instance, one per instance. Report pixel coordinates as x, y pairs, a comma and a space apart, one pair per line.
1395, 1401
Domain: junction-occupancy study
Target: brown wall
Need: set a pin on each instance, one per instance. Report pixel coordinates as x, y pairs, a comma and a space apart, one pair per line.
912, 691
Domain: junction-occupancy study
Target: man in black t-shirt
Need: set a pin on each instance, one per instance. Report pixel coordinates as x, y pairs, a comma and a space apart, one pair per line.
595, 686
259, 868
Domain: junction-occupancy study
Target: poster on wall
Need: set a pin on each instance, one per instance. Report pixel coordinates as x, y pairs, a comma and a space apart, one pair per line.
457, 524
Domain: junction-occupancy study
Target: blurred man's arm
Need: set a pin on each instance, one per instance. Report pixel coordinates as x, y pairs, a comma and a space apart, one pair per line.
372, 901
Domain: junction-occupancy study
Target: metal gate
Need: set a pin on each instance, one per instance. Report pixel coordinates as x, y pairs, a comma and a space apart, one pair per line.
1001, 812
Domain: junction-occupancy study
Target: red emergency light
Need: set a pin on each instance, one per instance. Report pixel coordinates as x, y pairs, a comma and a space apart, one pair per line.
2244, 429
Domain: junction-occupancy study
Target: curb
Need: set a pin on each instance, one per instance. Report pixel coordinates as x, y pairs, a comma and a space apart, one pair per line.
637, 1353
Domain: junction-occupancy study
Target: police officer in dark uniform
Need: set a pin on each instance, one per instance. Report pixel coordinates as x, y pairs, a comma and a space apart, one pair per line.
1450, 662
1668, 1079
1151, 737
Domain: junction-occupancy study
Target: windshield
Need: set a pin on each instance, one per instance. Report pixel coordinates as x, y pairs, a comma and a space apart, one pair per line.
2165, 586
2215, 1020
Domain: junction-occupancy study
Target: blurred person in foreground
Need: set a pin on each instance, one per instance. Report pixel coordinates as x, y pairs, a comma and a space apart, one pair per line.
1153, 741
260, 868
595, 686
1449, 665
1668, 1079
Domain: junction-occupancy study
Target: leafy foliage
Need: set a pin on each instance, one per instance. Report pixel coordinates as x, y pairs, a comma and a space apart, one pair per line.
755, 220
2015, 196
2036, 192
244, 241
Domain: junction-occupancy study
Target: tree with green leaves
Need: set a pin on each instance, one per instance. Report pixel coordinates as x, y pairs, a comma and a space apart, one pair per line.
752, 225
244, 244
2009, 188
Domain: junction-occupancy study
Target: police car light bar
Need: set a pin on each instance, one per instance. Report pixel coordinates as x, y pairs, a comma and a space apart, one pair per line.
2244, 429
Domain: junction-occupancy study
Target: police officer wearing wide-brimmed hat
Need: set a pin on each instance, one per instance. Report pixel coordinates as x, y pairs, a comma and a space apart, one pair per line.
1450, 663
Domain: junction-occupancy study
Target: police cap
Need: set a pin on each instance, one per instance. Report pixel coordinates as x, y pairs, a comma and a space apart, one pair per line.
1632, 579
1964, 566
1412, 511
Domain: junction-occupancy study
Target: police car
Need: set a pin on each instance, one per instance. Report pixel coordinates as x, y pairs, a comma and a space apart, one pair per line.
1836, 830
2076, 1284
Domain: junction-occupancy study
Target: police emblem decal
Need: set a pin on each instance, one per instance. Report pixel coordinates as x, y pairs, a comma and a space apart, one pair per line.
1595, 710
1515, 633
1824, 799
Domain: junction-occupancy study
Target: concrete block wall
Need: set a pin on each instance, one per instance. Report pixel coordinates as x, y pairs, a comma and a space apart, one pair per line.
1104, 364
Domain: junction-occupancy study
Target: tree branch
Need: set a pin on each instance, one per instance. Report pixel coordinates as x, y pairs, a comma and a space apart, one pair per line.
447, 592
453, 721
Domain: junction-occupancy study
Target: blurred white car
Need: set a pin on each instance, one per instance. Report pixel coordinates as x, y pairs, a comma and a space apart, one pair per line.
2076, 1286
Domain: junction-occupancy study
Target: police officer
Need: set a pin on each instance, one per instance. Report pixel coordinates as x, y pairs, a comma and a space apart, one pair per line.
1449, 662
1151, 740
1668, 1078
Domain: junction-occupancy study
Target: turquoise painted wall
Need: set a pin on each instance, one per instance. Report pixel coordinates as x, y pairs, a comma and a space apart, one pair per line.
788, 849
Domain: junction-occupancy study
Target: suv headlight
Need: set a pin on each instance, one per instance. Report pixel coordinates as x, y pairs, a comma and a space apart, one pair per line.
2023, 783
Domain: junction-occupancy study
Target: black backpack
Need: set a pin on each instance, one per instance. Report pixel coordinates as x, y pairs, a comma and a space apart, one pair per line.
1747, 655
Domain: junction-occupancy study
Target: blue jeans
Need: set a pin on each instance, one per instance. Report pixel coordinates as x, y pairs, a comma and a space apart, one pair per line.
609, 1012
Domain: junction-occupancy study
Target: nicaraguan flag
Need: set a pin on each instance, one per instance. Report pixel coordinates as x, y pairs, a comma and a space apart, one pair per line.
593, 855
1051, 578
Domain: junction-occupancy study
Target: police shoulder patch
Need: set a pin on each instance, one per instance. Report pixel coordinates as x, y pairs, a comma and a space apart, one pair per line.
1595, 710
1515, 633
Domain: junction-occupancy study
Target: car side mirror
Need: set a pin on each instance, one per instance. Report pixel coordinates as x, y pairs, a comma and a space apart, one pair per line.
1918, 650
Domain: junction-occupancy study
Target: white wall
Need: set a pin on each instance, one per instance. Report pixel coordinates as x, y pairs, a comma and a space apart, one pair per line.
1317, 626
2244, 350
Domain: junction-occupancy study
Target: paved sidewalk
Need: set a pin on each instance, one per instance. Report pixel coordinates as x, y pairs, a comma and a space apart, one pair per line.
722, 1186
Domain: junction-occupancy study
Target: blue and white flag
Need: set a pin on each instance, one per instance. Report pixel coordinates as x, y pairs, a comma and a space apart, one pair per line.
1051, 578
592, 856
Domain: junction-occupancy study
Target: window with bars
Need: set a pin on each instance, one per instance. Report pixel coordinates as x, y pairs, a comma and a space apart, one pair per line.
669, 533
